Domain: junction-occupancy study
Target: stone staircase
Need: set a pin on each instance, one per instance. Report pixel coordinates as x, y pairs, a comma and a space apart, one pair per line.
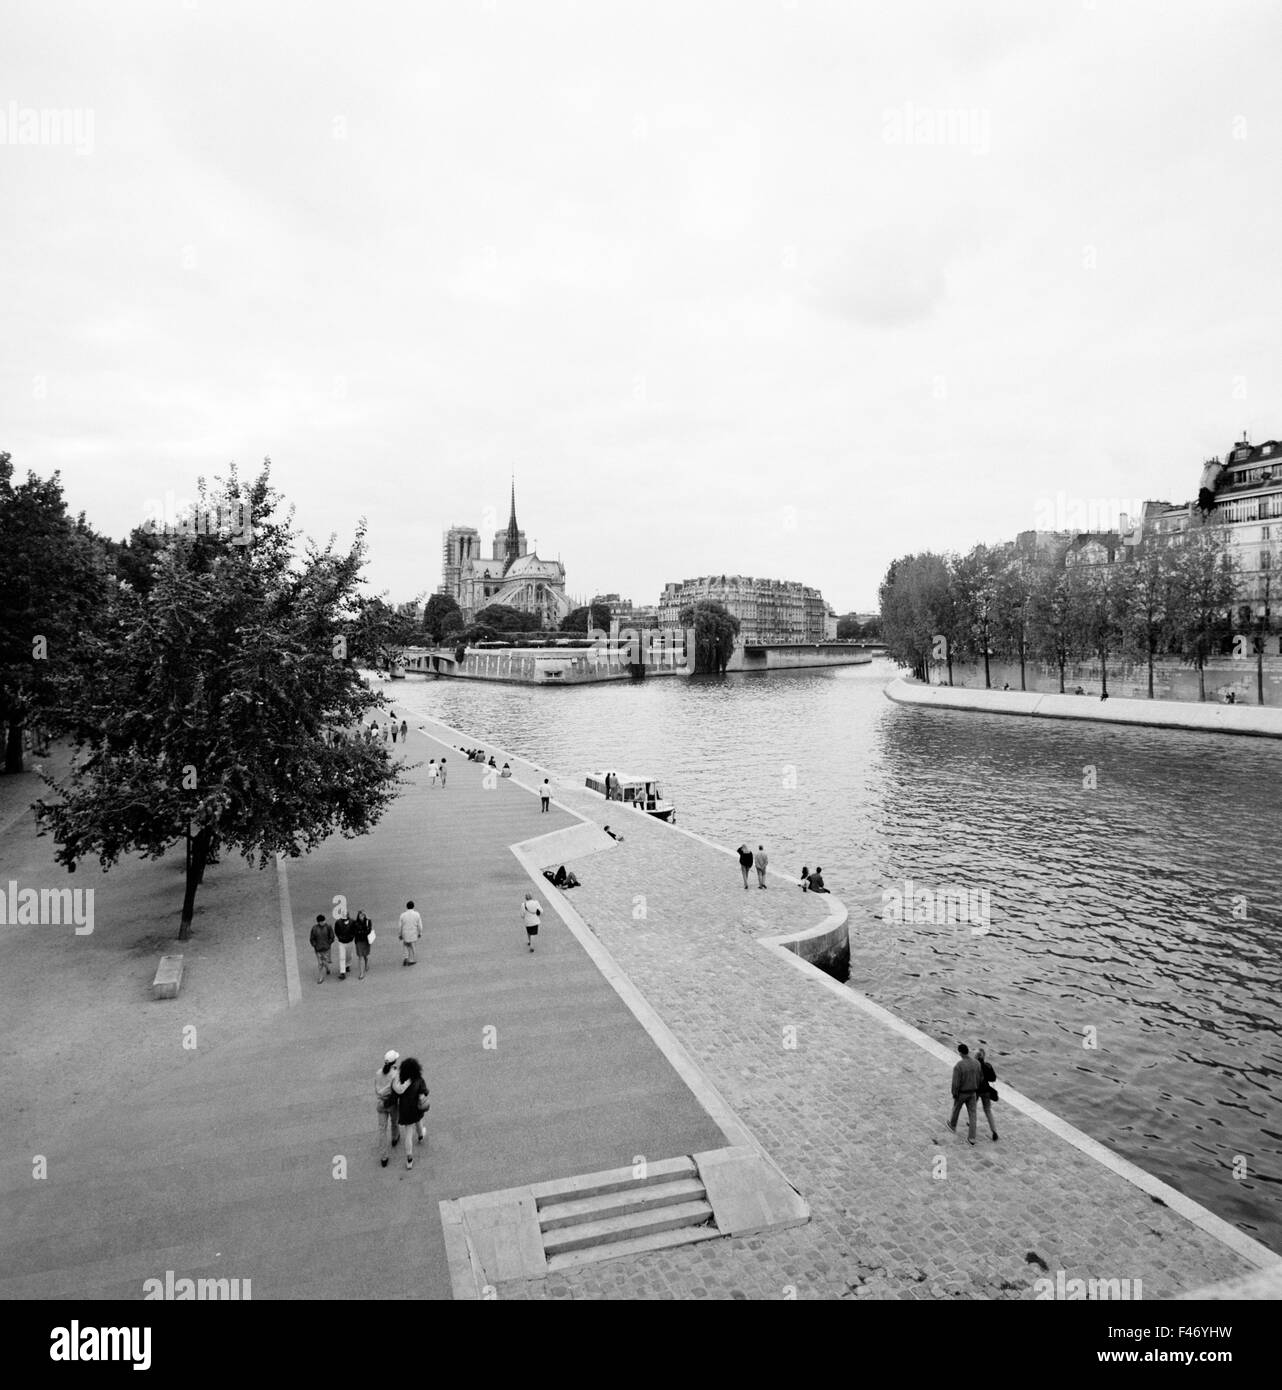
607, 1215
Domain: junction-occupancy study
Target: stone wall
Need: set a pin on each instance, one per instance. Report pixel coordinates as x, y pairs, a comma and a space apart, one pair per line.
1129, 680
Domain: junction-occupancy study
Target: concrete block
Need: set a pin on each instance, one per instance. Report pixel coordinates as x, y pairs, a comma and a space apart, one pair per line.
169, 978
748, 1193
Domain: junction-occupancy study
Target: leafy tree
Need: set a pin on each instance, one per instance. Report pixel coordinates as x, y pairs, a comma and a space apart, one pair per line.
217, 707
1097, 600
1050, 631
916, 607
1149, 602
1015, 579
592, 615
1205, 586
848, 628
440, 607
715, 631
55, 586
503, 618
974, 589
378, 633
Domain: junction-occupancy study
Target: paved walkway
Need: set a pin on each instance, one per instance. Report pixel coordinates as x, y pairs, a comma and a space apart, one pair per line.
852, 1111
225, 1166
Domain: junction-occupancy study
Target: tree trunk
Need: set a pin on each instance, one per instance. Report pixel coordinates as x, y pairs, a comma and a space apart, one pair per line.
1023, 684
13, 749
1062, 663
988, 685
950, 664
1150, 670
1103, 671
1201, 678
1259, 671
195, 873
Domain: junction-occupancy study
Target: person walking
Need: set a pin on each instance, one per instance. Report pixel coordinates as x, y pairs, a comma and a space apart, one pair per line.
395, 728
362, 935
745, 862
345, 936
388, 1110
545, 795
761, 859
322, 938
412, 1105
410, 929
405, 731
531, 911
968, 1077
442, 771
987, 1092
431, 773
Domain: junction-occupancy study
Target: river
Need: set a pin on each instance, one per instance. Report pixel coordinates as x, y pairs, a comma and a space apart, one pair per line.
1126, 975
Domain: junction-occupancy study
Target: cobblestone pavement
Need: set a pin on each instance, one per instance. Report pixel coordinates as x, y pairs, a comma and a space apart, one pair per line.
854, 1114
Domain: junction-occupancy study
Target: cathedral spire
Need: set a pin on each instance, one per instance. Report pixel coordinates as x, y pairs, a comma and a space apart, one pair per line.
512, 545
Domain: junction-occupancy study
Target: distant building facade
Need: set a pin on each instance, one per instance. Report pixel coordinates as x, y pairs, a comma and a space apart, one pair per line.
509, 574
626, 613
770, 611
1244, 494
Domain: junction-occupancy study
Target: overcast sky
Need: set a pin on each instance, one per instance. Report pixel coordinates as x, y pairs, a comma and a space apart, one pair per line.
783, 288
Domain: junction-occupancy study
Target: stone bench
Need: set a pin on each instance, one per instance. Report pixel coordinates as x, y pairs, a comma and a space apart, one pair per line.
169, 978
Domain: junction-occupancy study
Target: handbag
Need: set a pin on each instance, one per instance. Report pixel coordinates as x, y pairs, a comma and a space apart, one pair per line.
992, 1094
372, 937
424, 1105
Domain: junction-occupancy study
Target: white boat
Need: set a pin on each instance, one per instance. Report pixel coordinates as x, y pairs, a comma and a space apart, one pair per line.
636, 793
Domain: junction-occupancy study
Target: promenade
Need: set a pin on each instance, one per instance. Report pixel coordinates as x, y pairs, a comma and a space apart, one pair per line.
851, 1105
254, 1156
1262, 722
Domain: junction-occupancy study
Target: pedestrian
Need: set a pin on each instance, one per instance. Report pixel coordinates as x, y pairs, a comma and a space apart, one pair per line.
395, 730
745, 862
405, 731
362, 934
387, 729
531, 911
817, 880
442, 771
410, 929
545, 795
322, 938
988, 1092
412, 1105
345, 936
431, 773
968, 1077
388, 1110
761, 859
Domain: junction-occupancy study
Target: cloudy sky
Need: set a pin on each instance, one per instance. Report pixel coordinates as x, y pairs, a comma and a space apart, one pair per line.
776, 287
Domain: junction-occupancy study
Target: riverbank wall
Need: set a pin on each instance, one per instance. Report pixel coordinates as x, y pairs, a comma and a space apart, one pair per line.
1172, 680
795, 656
1155, 714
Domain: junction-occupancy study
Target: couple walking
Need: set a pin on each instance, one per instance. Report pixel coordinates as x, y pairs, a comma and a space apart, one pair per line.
402, 1095
972, 1082
748, 860
433, 772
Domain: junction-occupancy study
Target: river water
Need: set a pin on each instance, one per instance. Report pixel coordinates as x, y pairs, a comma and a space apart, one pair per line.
1126, 974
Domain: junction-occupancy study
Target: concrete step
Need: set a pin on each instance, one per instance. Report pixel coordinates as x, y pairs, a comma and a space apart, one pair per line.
637, 1245
612, 1180
627, 1227
608, 1204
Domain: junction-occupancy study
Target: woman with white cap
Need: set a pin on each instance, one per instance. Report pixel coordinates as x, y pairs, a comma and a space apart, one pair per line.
384, 1079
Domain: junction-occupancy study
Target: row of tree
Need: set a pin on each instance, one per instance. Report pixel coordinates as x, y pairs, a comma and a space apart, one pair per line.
1178, 597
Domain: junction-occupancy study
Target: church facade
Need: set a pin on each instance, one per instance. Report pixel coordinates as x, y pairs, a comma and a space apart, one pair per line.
510, 574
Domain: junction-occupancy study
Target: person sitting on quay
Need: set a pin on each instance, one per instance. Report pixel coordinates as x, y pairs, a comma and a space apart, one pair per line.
491, 762
507, 771
805, 879
817, 880
612, 835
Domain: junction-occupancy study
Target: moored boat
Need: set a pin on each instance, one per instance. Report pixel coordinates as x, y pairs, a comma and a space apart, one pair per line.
639, 793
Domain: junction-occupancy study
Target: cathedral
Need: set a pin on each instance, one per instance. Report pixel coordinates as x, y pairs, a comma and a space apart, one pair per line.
510, 575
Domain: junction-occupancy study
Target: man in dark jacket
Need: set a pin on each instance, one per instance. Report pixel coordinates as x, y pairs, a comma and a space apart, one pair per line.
322, 938
968, 1078
345, 935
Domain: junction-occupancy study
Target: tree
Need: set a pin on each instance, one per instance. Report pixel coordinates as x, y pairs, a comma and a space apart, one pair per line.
1149, 602
378, 634
973, 584
1204, 588
592, 615
848, 627
1012, 600
1096, 601
217, 708
439, 608
55, 585
504, 618
1050, 633
715, 631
